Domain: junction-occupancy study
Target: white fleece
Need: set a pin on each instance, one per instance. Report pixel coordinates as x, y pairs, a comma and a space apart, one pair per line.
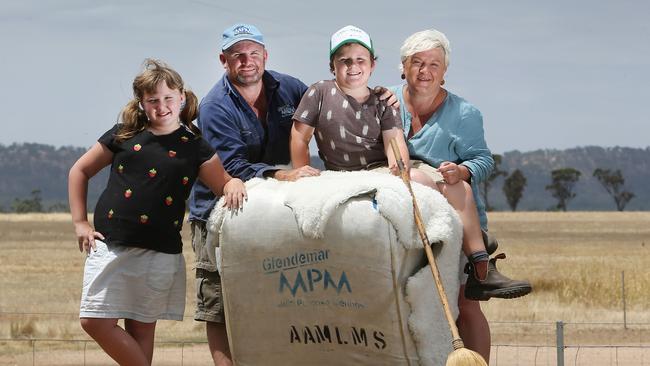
314, 199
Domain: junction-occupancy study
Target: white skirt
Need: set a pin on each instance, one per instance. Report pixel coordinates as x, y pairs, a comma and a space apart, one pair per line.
133, 283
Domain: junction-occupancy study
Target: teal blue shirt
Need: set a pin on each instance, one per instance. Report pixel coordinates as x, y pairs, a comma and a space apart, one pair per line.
454, 133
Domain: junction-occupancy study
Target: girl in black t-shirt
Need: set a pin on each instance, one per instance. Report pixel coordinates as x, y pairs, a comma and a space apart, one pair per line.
135, 270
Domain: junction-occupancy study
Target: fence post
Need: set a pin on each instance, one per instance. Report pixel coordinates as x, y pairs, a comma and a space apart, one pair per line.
559, 337
624, 304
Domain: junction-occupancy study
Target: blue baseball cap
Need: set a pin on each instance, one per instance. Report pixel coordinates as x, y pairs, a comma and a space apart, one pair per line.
240, 32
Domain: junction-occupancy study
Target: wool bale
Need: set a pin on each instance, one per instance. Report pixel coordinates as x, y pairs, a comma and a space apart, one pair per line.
330, 287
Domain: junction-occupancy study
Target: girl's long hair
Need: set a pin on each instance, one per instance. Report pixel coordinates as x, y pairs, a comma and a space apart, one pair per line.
133, 118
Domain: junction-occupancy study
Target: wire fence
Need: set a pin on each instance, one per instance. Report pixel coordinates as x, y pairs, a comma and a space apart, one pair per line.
59, 352
514, 343
570, 344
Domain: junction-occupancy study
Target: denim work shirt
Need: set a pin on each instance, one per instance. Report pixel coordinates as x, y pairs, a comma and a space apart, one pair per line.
245, 147
453, 133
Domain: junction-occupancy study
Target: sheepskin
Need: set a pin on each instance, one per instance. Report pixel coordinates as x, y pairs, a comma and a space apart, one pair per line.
315, 201
313, 207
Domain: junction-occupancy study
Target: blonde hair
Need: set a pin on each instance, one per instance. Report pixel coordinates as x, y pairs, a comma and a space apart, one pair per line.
134, 120
423, 41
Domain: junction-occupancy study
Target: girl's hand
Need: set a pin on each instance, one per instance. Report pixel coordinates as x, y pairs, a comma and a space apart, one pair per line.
86, 236
234, 193
450, 171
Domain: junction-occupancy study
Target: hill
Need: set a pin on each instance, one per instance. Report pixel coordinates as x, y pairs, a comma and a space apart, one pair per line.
30, 166
537, 165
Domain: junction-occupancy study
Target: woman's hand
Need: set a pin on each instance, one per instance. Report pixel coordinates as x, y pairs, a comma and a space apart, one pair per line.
387, 95
453, 173
86, 236
234, 193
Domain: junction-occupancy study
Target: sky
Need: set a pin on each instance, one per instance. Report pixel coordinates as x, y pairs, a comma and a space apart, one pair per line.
545, 74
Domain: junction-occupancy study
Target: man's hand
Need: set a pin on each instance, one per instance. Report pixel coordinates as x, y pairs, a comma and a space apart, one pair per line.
387, 95
295, 174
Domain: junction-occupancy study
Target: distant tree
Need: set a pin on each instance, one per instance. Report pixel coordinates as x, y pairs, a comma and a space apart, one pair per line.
613, 183
59, 207
496, 173
561, 187
33, 204
513, 188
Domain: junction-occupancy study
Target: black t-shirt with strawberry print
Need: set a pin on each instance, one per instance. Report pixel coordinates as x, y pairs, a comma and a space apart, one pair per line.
151, 176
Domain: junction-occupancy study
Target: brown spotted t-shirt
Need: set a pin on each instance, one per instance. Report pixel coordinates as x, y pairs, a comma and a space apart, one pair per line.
348, 133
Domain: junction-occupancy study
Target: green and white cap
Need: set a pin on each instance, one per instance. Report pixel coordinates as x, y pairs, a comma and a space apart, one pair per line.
350, 34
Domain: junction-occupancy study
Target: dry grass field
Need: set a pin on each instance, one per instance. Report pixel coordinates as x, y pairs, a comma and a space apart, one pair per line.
574, 261
41, 276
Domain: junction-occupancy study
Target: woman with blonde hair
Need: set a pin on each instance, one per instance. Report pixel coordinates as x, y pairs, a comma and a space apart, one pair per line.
445, 137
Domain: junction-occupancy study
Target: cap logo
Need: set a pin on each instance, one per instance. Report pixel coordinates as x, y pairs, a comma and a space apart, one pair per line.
241, 30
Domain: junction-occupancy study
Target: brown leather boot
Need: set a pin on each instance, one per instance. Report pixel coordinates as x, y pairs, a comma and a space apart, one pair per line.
490, 241
495, 285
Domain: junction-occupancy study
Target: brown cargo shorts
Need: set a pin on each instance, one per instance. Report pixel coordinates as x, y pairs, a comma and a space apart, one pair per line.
209, 301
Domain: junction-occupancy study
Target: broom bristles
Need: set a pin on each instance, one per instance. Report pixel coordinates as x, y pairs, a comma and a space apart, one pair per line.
465, 357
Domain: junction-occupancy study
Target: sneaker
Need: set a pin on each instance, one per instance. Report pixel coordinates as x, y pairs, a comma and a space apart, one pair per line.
496, 284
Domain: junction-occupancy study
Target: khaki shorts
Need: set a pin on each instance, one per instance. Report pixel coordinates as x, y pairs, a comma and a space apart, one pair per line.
419, 165
209, 301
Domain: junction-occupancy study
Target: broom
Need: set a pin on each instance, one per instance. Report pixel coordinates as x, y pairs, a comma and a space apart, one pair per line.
460, 356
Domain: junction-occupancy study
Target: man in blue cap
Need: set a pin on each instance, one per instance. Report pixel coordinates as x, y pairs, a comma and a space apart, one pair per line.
247, 118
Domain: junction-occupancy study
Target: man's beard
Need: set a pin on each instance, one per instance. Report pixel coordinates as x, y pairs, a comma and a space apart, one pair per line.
246, 80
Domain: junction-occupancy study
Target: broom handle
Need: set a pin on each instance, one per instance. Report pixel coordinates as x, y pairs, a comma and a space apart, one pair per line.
457, 342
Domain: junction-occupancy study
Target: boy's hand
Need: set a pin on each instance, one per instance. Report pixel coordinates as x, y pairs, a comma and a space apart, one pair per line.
387, 95
234, 193
86, 236
394, 169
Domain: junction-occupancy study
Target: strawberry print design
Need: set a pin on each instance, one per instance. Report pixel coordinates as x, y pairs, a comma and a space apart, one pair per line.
110, 214
169, 200
152, 173
185, 180
185, 138
120, 168
172, 153
144, 219
128, 193
176, 223
137, 147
